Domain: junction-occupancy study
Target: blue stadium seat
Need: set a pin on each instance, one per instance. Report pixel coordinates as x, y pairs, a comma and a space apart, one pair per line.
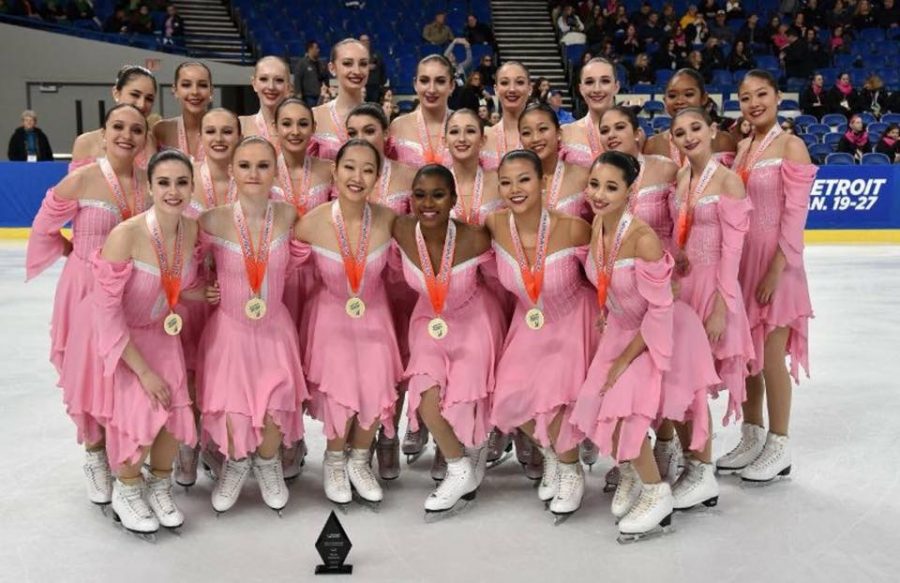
731, 105
878, 126
406, 105
867, 117
646, 126
890, 118
662, 123
654, 107
818, 129
832, 140
789, 105
818, 152
796, 84
841, 128
804, 121
809, 139
875, 158
663, 76
834, 119
872, 35
840, 158
721, 77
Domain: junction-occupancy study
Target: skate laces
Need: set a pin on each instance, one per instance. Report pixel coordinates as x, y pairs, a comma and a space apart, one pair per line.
160, 489
232, 476
133, 496
551, 469
567, 483
771, 452
267, 473
337, 473
97, 469
363, 473
748, 439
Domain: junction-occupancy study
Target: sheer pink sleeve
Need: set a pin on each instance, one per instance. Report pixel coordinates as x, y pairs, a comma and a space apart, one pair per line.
726, 159
76, 164
394, 271
194, 274
734, 218
654, 284
109, 318
798, 179
46, 244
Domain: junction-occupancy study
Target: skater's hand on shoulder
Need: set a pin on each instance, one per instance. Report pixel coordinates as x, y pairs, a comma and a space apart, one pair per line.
156, 388
213, 294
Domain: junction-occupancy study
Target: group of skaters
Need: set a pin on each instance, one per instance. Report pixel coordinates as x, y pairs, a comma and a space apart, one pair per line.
579, 288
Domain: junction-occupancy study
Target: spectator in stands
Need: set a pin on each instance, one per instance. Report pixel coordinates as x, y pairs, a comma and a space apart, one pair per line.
495, 118
713, 57
856, 140
843, 98
864, 16
651, 32
795, 56
5, 8
739, 58
173, 27
690, 16
741, 129
488, 70
571, 29
459, 69
893, 102
52, 11
641, 73
818, 57
310, 75
873, 96
787, 126
788, 7
28, 143
888, 15
668, 56
780, 38
378, 76
838, 43
540, 89
680, 39
812, 15
889, 144
697, 32
27, 9
596, 32
470, 95
629, 43
390, 109
839, 15
478, 33
554, 100
610, 7
814, 99
709, 9
117, 23
733, 9
669, 17
80, 10
720, 29
437, 32
642, 15
695, 62
751, 34
620, 21
141, 21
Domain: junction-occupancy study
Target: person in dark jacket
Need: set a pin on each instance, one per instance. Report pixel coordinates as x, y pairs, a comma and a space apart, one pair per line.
856, 141
889, 144
873, 96
310, 74
28, 143
814, 99
843, 97
740, 58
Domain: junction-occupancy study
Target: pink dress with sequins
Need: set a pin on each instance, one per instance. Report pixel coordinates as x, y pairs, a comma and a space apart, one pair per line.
354, 364
248, 369
130, 306
714, 253
411, 153
325, 145
779, 190
462, 363
651, 205
541, 371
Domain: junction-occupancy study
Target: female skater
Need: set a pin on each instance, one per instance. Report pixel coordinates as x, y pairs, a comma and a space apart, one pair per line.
598, 87
145, 266
776, 170
552, 335
354, 364
271, 81
194, 91
456, 332
135, 86
418, 137
476, 188
686, 89
513, 87
249, 379
94, 198
712, 215
350, 65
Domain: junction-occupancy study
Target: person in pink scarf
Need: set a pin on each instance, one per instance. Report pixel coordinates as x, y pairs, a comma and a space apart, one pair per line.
812, 99
856, 140
843, 98
889, 144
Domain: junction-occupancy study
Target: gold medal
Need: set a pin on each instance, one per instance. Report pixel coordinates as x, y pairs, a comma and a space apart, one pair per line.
437, 328
173, 324
355, 307
534, 318
255, 308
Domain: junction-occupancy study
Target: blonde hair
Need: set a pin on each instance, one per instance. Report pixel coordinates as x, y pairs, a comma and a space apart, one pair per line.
29, 113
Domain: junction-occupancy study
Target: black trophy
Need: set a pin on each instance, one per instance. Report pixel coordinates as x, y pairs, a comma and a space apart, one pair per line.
333, 545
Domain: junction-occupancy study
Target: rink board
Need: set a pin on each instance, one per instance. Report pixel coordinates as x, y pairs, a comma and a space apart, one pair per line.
848, 204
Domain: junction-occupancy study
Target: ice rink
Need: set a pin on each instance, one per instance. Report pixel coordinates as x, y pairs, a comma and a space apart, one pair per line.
836, 519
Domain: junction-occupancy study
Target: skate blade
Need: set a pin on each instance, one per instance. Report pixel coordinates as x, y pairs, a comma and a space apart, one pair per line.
374, 507
728, 471
104, 507
499, 461
607, 488
149, 537
412, 458
560, 518
433, 516
705, 507
783, 475
664, 528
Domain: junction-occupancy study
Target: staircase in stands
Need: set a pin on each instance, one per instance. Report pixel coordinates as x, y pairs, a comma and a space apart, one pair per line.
211, 33
524, 31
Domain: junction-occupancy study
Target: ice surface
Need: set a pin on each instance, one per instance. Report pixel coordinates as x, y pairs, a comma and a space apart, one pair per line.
837, 519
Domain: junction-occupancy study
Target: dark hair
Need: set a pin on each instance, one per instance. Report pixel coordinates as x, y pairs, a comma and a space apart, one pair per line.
187, 64
764, 75
625, 111
128, 73
627, 163
693, 74
346, 41
698, 111
441, 59
464, 110
251, 140
541, 107
310, 44
170, 155
369, 110
354, 142
119, 106
441, 172
237, 120
526, 155
293, 101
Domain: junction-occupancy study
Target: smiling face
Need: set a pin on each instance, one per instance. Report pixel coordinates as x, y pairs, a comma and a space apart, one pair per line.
683, 92
520, 185
617, 133
512, 87
139, 92
464, 137
759, 101
254, 169
607, 191
433, 85
271, 81
355, 173
432, 200
539, 134
351, 66
693, 136
193, 89
171, 187
220, 133
125, 133
295, 126
367, 128
598, 86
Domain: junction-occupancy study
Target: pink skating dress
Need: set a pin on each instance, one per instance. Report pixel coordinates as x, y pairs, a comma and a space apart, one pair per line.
325, 145
651, 204
668, 380
130, 305
462, 363
541, 371
779, 191
247, 369
713, 251
583, 154
411, 153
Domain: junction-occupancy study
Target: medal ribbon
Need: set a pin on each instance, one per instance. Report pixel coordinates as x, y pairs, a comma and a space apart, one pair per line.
556, 184
261, 126
532, 277
430, 155
674, 153
183, 144
605, 266
593, 134
297, 198
381, 194
686, 212
437, 285
339, 130
209, 188
169, 275
354, 263
255, 263
472, 215
750, 160
636, 186
119, 194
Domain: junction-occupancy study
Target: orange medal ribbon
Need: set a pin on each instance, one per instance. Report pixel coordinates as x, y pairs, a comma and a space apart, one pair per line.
749, 161
354, 263
169, 275
297, 198
605, 265
255, 263
532, 277
686, 212
119, 194
437, 284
